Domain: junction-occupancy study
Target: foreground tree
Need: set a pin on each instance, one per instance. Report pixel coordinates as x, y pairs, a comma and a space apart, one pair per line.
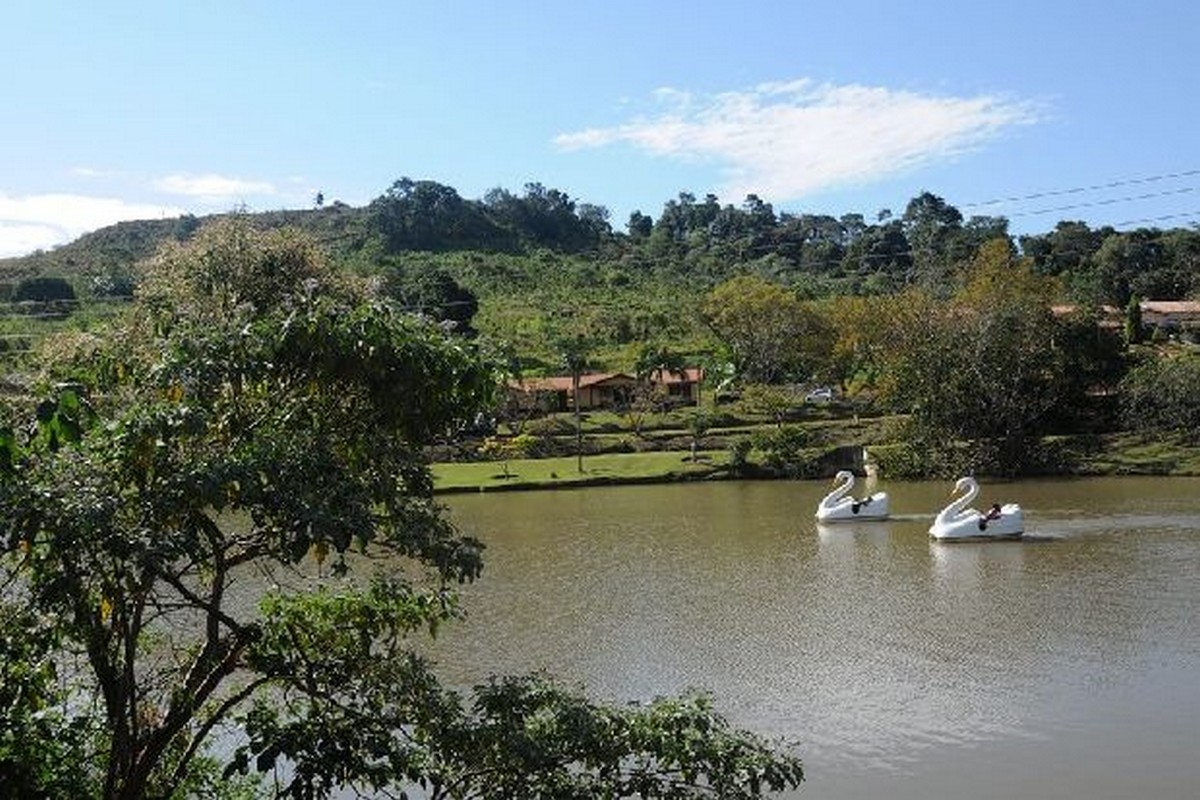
257, 421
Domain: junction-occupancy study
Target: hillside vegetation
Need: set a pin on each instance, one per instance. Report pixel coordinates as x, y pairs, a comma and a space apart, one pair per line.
971, 335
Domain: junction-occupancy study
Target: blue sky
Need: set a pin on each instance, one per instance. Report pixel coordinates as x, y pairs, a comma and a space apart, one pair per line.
1039, 111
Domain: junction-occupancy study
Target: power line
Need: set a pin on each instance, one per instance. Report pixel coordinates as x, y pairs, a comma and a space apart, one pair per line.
1079, 189
1106, 202
1163, 218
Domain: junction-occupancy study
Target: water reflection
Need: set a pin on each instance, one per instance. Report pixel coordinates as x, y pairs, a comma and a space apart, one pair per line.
851, 531
961, 568
883, 652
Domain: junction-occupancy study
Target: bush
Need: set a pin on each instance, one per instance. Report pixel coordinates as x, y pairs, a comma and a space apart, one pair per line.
1161, 395
901, 461
1057, 455
739, 454
44, 290
783, 452
551, 426
784, 440
919, 459
50, 297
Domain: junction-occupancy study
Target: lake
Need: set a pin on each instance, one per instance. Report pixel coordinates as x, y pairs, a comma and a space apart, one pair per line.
1063, 665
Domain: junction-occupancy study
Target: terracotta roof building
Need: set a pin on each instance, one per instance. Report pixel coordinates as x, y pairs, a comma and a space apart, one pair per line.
1170, 313
602, 389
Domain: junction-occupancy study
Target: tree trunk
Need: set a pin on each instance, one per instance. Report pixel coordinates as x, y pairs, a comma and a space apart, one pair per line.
578, 421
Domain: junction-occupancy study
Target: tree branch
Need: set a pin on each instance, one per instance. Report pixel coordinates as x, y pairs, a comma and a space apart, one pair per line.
206, 727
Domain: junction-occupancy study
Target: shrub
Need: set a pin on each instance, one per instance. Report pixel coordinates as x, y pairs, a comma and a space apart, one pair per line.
783, 452
551, 426
44, 290
1161, 395
920, 459
739, 454
784, 440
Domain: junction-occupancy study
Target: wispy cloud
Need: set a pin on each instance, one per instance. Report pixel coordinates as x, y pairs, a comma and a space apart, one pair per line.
212, 188
42, 221
92, 172
786, 140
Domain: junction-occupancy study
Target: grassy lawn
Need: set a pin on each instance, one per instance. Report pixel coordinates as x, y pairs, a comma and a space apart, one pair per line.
1124, 453
1140, 454
598, 469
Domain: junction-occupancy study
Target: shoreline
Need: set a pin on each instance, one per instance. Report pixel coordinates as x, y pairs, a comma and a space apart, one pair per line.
1093, 455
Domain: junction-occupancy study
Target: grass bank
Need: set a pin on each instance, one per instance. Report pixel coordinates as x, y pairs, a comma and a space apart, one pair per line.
551, 473
1133, 454
1095, 454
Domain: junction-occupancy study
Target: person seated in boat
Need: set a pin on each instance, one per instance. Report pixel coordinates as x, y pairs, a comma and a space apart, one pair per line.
994, 512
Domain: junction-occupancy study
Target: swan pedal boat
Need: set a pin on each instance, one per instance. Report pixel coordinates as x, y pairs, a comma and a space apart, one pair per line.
957, 522
837, 507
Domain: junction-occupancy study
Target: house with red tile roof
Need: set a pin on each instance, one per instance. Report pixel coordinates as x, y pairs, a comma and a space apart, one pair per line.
1155, 314
602, 389
1106, 316
1171, 313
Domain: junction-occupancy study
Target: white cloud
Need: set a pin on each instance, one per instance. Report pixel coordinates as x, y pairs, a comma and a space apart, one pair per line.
92, 172
43, 221
786, 140
18, 239
213, 188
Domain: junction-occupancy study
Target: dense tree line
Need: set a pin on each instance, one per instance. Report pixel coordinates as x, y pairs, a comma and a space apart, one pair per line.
527, 270
816, 254
429, 216
699, 241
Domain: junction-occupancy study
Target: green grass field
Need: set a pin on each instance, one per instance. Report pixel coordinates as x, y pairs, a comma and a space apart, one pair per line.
1111, 454
597, 469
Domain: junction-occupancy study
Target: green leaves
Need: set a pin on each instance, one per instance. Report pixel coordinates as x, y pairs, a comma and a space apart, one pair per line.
351, 705
986, 367
1160, 395
333, 633
520, 736
43, 748
252, 411
262, 409
770, 333
529, 737
59, 420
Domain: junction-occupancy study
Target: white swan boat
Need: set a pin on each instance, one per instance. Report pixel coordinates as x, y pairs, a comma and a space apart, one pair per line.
837, 507
956, 521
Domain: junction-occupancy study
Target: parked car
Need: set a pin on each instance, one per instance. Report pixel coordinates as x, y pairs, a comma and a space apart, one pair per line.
822, 394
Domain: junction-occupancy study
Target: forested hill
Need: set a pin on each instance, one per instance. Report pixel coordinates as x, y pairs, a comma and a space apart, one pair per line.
411, 216
94, 259
529, 258
695, 240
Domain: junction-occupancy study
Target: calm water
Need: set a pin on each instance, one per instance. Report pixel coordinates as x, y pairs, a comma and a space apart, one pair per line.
1066, 665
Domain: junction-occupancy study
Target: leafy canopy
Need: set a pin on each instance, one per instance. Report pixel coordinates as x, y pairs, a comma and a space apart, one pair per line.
221, 520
